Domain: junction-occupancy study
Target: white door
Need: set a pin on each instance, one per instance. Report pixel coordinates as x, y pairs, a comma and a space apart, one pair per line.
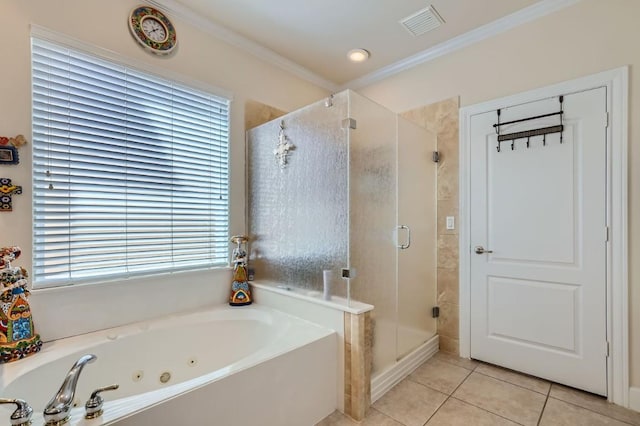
538, 292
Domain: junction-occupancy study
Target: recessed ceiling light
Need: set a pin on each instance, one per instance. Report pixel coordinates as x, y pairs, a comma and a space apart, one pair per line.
358, 55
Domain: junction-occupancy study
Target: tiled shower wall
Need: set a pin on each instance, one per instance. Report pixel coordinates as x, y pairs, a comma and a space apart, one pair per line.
442, 118
256, 113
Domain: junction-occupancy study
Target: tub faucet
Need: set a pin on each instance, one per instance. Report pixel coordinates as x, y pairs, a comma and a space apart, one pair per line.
57, 411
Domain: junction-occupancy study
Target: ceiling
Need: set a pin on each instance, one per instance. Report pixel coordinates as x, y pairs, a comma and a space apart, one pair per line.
316, 34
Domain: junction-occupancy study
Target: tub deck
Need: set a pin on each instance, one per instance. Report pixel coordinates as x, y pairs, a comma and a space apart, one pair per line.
217, 354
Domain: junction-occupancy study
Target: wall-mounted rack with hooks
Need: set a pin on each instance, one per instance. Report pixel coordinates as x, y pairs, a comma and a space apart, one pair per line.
528, 134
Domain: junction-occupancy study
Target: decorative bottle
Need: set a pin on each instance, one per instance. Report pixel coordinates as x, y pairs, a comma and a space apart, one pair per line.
17, 336
240, 291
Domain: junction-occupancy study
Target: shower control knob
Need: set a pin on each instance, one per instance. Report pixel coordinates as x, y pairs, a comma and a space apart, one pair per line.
481, 250
93, 407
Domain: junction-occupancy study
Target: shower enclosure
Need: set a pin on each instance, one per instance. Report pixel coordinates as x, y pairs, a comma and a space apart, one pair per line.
348, 186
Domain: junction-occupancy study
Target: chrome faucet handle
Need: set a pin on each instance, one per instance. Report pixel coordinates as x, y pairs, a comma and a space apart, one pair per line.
93, 406
22, 415
57, 411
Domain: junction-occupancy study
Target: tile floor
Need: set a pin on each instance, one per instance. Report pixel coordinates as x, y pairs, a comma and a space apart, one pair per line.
450, 391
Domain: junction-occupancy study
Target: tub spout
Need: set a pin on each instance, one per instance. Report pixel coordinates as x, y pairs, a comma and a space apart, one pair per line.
57, 411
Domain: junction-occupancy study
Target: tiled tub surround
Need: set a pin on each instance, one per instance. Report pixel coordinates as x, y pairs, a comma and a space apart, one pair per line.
352, 324
358, 361
451, 391
443, 119
219, 359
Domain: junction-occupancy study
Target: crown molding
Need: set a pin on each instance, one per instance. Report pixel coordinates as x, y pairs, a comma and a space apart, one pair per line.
533, 12
176, 9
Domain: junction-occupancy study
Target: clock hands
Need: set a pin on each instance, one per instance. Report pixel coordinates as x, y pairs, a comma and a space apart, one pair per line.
154, 30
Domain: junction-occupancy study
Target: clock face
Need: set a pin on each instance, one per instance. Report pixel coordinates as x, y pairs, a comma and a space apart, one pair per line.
153, 30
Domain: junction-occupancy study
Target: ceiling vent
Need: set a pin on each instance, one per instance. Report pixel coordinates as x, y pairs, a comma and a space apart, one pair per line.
422, 21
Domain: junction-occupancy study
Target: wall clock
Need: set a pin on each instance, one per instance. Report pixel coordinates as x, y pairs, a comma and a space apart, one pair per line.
153, 30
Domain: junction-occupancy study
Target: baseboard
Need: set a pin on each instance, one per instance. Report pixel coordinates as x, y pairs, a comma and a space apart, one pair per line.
401, 369
634, 399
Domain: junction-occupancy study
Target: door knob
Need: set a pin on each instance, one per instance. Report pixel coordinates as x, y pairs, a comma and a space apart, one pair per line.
481, 250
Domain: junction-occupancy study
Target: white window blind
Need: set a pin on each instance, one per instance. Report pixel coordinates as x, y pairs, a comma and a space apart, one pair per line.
130, 171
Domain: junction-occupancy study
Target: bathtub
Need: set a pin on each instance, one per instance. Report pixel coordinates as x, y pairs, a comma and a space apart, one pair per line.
226, 366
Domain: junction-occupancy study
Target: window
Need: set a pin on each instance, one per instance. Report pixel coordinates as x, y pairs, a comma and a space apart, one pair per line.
130, 171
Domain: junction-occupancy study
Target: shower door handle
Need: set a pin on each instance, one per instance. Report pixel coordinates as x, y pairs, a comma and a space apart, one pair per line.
408, 244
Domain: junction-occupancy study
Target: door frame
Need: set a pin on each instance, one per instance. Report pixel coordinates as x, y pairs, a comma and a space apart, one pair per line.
617, 282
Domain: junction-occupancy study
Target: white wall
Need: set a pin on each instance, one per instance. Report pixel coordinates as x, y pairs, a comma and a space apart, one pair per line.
200, 57
586, 38
591, 36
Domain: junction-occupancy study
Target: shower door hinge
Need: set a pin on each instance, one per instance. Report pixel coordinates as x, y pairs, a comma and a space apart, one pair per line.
435, 156
606, 234
608, 349
435, 312
349, 123
348, 273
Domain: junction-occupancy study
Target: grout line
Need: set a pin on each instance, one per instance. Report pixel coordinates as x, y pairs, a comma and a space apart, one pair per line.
439, 406
591, 410
437, 409
393, 418
544, 406
487, 411
400, 421
438, 390
453, 363
386, 415
462, 382
449, 396
514, 384
481, 408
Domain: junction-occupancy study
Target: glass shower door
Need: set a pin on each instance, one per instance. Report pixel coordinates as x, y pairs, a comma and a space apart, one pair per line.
372, 218
416, 236
392, 183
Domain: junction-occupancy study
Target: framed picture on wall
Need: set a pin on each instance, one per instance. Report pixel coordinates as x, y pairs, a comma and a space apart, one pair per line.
8, 155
